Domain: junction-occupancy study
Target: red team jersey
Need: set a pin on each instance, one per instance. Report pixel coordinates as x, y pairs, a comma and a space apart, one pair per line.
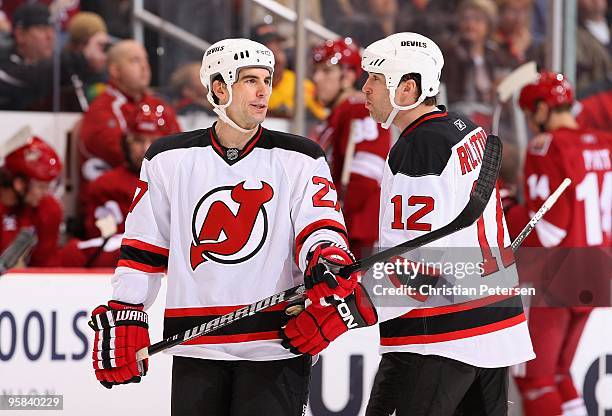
595, 111
350, 122
45, 218
581, 216
110, 193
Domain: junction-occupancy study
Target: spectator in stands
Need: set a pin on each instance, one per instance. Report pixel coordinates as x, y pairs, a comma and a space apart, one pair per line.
106, 121
88, 36
593, 46
513, 35
188, 92
281, 102
112, 193
313, 11
26, 73
26, 201
380, 19
333, 12
117, 14
432, 18
473, 56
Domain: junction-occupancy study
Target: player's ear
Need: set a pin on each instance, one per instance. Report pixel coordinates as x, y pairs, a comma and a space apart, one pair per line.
113, 70
541, 114
19, 184
219, 89
407, 92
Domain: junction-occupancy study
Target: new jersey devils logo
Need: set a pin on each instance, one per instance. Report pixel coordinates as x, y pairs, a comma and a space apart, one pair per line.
232, 223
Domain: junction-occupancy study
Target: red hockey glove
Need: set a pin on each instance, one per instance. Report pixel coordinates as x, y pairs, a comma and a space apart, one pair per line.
121, 330
321, 277
313, 329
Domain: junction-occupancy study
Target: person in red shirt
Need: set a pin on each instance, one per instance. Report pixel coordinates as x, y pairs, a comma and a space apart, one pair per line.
113, 192
106, 121
25, 199
356, 145
580, 218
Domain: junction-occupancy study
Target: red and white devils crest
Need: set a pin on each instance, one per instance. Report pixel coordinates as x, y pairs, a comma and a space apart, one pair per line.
229, 224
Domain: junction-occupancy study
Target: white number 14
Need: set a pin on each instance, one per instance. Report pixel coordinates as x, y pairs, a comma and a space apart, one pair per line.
597, 207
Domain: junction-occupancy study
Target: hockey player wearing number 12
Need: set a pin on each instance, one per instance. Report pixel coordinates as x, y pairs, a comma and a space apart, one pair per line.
435, 360
234, 213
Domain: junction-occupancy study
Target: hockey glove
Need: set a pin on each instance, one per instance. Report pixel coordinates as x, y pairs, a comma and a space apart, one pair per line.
321, 277
121, 330
312, 330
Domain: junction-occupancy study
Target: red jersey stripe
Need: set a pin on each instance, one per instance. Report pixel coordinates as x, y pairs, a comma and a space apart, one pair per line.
450, 336
442, 310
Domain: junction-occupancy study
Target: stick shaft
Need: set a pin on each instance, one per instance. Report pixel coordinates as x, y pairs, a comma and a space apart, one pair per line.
550, 201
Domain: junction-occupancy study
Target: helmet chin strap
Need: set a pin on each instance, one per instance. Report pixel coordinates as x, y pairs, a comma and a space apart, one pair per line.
220, 111
397, 108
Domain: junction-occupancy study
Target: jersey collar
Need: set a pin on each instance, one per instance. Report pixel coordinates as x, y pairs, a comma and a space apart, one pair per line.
440, 112
233, 155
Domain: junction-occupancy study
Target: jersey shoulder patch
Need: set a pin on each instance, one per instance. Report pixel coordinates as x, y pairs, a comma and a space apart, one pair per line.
195, 138
539, 145
275, 139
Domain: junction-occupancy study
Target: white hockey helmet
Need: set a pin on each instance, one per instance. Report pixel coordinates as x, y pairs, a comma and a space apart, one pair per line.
404, 53
226, 58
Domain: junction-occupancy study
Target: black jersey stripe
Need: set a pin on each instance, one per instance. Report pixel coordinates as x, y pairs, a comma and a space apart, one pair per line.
452, 322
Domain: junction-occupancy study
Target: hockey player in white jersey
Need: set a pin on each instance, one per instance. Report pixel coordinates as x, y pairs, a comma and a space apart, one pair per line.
445, 359
232, 214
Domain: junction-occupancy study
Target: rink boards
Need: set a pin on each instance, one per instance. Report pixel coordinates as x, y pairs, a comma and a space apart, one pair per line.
45, 346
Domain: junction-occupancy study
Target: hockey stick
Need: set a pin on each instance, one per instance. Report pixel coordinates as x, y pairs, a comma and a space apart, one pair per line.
17, 140
550, 201
511, 84
479, 198
20, 246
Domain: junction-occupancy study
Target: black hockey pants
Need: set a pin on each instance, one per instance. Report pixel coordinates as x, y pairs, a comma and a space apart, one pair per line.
239, 388
430, 385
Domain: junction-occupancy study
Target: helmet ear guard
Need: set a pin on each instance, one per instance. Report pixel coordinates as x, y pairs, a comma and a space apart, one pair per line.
401, 54
226, 58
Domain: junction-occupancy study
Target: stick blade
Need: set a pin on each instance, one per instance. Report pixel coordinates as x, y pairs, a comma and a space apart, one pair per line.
516, 80
20, 138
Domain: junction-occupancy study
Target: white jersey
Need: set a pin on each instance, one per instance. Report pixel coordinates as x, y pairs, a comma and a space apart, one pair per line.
230, 227
427, 181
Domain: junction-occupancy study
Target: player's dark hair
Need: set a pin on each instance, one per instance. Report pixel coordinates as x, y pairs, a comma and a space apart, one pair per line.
562, 108
219, 78
417, 79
